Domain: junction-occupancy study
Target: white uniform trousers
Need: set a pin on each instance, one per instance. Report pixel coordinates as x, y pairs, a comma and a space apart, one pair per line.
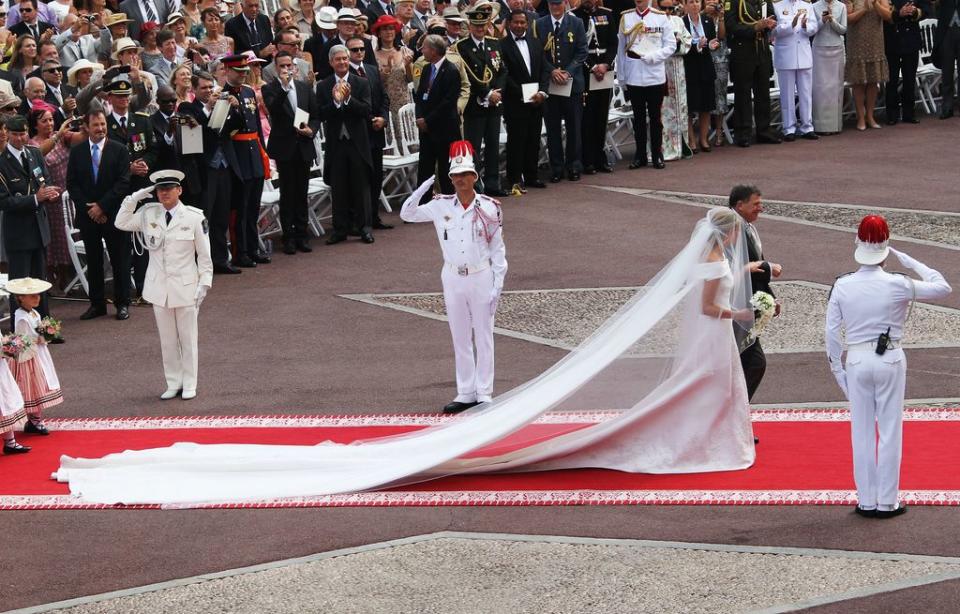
876, 386
796, 84
178, 345
467, 299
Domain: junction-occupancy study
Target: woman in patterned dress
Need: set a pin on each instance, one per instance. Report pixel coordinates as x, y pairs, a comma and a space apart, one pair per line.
866, 62
55, 147
721, 65
674, 110
215, 42
394, 60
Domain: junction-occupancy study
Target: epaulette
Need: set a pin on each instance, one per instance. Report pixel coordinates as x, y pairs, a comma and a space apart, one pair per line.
193, 209
657, 11
143, 113
627, 11
829, 294
493, 38
603, 8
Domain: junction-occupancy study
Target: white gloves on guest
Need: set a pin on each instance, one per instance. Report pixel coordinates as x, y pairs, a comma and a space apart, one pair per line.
200, 295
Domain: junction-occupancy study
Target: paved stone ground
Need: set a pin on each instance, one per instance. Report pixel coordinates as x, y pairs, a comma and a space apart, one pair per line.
281, 339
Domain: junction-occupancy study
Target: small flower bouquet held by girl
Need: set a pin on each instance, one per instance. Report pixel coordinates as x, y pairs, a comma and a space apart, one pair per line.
49, 329
764, 303
17, 347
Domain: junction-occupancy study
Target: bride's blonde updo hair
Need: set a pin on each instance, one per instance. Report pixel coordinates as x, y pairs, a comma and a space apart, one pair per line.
723, 219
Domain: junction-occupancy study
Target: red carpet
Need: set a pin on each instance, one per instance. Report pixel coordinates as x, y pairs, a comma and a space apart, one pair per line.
804, 457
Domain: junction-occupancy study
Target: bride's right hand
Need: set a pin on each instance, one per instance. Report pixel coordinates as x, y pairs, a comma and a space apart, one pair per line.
741, 314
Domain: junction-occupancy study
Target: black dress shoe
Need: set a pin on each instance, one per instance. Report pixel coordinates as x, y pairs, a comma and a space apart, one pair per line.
498, 193
789, 138
260, 258
93, 311
589, 170
15, 448
289, 248
769, 139
536, 183
246, 263
743, 143
573, 176
366, 237
756, 440
226, 269
57, 341
605, 168
912, 120
859, 511
638, 163
36, 429
901, 509
303, 245
946, 114
456, 407
892, 122
810, 136
556, 178
123, 312
334, 239
659, 164
378, 225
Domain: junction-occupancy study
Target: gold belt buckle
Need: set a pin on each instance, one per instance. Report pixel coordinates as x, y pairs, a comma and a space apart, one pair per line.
463, 270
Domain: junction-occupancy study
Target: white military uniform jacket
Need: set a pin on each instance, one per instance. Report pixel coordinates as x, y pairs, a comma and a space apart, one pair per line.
179, 252
791, 47
650, 36
463, 233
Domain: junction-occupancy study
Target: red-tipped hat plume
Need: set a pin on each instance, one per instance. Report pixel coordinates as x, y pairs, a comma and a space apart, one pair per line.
461, 148
873, 229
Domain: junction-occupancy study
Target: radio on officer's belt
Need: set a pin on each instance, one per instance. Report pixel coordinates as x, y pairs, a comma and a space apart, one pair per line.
883, 342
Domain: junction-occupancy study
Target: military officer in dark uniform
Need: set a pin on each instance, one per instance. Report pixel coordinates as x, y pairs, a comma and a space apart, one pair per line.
483, 61
24, 195
135, 130
247, 159
902, 43
601, 26
749, 23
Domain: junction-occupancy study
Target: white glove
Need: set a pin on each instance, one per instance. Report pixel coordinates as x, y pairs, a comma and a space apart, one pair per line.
494, 301
200, 295
841, 377
904, 259
140, 194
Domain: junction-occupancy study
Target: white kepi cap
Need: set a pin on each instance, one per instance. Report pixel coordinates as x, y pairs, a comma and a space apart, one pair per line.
873, 240
461, 158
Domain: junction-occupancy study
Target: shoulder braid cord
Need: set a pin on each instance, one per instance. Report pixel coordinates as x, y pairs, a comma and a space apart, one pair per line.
487, 73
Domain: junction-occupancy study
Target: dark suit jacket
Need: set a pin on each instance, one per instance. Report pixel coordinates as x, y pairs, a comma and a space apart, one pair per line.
166, 154
479, 64
285, 142
517, 75
236, 28
20, 28
760, 281
25, 224
697, 63
315, 46
111, 186
566, 55
194, 166
902, 36
741, 35
132, 10
374, 10
353, 115
15, 79
66, 91
323, 68
440, 108
379, 104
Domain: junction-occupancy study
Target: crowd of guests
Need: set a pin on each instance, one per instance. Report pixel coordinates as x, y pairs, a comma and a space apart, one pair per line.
108, 94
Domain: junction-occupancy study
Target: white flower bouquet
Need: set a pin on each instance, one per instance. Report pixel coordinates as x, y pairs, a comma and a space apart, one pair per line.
762, 302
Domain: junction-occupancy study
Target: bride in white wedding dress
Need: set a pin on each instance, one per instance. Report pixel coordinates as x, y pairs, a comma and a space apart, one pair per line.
667, 360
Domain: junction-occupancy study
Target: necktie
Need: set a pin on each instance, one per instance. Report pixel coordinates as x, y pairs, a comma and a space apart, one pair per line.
24, 162
521, 39
480, 48
169, 217
151, 13
123, 125
556, 32
36, 33
361, 72
254, 39
390, 8
95, 154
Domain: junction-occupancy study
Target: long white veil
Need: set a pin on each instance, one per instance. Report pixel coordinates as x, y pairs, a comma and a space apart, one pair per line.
664, 359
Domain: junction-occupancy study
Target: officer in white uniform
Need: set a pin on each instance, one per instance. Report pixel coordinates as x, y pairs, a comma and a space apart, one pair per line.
645, 41
178, 276
797, 22
474, 264
871, 305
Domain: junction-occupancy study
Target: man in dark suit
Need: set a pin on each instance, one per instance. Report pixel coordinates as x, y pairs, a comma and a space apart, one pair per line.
902, 43
211, 172
481, 118
98, 178
24, 195
153, 10
31, 23
164, 129
61, 96
600, 24
436, 110
746, 200
251, 31
565, 50
346, 29
751, 64
379, 116
524, 119
345, 108
326, 22
946, 52
376, 8
292, 148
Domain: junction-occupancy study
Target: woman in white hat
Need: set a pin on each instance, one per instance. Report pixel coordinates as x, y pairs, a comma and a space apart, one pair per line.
35, 375
81, 73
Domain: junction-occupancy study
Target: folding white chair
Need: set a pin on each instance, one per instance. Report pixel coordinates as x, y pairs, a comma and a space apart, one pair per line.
78, 251
928, 75
400, 157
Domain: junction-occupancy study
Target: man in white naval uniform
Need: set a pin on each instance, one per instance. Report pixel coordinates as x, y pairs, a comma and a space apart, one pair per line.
797, 22
645, 41
474, 264
871, 306
178, 276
